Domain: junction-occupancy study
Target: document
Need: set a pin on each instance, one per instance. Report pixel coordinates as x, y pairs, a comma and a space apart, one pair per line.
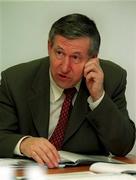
103, 167
74, 159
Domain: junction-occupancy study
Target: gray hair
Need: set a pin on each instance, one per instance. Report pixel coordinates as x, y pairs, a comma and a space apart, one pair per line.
74, 26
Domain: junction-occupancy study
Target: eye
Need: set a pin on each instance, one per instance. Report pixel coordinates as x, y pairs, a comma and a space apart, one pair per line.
59, 54
76, 59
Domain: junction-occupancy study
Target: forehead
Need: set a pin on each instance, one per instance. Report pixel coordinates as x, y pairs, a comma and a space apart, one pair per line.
81, 44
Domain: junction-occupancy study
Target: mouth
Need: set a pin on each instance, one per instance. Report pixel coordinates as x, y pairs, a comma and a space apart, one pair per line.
63, 76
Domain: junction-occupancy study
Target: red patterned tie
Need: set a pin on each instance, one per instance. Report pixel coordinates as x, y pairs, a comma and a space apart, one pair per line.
58, 135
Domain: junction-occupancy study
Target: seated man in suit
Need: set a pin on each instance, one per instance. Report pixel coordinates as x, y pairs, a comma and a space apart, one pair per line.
32, 96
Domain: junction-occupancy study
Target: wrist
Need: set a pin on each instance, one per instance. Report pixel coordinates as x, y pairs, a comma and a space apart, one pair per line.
97, 96
22, 144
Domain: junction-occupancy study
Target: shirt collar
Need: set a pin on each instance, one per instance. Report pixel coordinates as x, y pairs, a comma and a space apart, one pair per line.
56, 91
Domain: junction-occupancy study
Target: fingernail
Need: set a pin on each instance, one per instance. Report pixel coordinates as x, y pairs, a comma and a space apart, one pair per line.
56, 164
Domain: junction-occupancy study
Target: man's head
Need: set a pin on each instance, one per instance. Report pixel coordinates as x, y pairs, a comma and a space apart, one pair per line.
74, 26
73, 39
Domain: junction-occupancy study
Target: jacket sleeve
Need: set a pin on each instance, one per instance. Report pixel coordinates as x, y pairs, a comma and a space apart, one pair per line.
9, 132
111, 120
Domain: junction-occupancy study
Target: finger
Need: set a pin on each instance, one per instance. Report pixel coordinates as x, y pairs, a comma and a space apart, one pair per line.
91, 68
51, 159
91, 76
39, 156
94, 62
52, 151
36, 157
52, 148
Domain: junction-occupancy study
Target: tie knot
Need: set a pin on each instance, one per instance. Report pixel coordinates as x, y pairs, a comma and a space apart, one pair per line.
70, 92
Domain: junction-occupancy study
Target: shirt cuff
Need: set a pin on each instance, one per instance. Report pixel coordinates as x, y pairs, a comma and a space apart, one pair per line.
17, 148
92, 104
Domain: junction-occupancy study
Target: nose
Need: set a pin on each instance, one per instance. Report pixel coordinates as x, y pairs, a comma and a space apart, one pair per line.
66, 65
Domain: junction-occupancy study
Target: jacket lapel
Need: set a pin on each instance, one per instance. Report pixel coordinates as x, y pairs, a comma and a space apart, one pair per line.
78, 113
39, 101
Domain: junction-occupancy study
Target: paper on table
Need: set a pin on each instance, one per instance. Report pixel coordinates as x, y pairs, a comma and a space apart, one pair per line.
102, 167
15, 162
80, 158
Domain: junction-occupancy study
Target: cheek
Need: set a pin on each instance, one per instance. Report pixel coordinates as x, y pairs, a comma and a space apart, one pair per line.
78, 71
53, 64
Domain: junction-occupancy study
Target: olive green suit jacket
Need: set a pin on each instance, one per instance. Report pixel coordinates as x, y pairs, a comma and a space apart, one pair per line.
25, 107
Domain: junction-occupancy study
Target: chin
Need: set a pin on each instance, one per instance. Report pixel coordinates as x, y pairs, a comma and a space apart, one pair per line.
65, 86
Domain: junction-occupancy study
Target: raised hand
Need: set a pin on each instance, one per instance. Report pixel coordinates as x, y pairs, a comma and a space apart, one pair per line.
94, 78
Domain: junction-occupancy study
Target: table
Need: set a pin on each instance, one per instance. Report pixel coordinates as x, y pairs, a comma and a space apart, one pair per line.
131, 159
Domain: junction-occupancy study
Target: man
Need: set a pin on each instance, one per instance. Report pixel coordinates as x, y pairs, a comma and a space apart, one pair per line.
31, 97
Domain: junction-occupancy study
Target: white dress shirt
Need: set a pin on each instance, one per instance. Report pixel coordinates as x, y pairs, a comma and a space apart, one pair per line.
56, 100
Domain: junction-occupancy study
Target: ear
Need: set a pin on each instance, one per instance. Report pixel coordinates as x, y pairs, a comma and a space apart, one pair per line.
49, 47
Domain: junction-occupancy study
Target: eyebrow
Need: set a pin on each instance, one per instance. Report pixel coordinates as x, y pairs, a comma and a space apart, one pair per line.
77, 52
58, 47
